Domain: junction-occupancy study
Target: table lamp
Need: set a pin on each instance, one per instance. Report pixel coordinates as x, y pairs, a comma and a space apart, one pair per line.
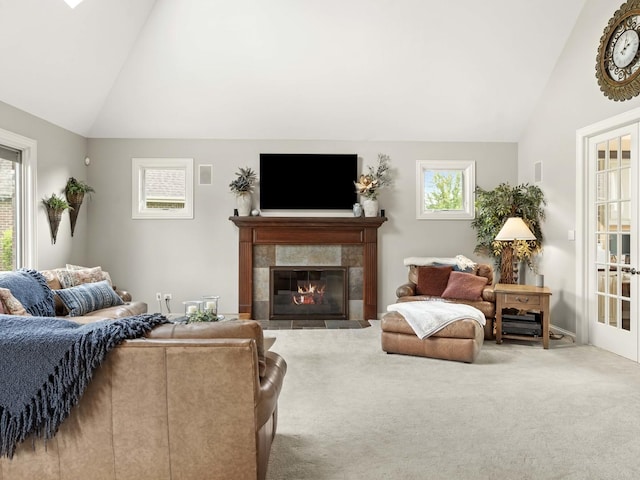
513, 229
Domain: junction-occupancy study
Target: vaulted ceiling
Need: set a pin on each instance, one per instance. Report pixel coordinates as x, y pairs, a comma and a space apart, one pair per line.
423, 70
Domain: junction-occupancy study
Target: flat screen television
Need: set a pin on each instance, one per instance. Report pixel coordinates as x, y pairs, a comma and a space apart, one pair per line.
308, 181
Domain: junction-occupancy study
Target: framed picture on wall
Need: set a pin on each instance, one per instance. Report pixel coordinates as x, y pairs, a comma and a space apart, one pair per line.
445, 189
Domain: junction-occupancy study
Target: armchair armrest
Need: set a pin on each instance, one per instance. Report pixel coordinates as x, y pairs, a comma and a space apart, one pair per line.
406, 290
489, 294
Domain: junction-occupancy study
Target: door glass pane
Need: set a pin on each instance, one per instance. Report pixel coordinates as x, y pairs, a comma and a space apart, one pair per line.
601, 218
601, 162
613, 313
601, 187
613, 153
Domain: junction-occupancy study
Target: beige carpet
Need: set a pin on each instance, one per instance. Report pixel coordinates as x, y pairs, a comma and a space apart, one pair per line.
349, 411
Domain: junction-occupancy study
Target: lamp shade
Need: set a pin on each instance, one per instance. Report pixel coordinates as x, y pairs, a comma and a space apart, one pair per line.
515, 229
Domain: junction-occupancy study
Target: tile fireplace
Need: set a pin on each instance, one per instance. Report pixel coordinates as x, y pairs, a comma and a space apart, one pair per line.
345, 242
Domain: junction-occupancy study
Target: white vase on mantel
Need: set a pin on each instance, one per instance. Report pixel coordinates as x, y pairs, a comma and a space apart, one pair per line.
370, 207
243, 204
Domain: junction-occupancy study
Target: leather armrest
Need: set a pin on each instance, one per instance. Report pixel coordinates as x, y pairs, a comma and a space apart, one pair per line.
489, 294
406, 290
123, 294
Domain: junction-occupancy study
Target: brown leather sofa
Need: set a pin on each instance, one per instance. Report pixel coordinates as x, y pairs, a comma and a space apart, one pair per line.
459, 341
187, 402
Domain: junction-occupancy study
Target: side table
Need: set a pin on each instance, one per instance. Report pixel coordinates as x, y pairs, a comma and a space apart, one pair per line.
523, 297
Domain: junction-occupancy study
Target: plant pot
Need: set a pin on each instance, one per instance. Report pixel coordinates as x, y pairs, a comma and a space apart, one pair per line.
54, 217
243, 203
75, 202
370, 207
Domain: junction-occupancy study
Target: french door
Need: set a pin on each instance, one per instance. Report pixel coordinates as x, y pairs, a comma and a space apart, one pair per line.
612, 242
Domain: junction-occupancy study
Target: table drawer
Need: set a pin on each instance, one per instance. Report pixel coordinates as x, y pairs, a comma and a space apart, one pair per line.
522, 299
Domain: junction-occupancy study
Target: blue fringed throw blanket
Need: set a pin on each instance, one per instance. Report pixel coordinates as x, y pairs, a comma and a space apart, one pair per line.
46, 365
31, 289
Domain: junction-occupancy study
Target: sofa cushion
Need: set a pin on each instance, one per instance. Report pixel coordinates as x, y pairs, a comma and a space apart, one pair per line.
72, 278
88, 297
464, 286
105, 275
10, 304
433, 280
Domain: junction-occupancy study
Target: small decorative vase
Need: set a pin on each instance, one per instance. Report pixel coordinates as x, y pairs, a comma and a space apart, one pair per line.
370, 207
243, 202
357, 210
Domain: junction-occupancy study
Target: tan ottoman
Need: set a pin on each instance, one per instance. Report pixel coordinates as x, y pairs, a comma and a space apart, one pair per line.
459, 341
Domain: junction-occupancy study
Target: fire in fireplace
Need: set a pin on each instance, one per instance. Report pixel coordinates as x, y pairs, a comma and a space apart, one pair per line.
308, 293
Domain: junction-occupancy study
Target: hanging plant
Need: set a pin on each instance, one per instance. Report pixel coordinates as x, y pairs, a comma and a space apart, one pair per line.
55, 206
494, 207
75, 191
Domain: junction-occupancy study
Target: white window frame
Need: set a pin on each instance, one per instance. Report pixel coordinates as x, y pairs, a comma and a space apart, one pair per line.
26, 218
468, 170
138, 204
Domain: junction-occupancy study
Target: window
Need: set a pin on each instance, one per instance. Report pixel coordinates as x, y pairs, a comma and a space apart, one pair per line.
445, 190
162, 188
18, 206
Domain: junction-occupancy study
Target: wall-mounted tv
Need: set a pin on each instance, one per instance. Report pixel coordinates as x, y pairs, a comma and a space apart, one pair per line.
308, 181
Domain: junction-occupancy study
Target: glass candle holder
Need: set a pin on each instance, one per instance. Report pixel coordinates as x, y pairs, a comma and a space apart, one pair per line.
210, 303
191, 307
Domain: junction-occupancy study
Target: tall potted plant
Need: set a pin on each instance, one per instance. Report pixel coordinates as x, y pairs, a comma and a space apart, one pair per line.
75, 191
494, 207
55, 206
242, 187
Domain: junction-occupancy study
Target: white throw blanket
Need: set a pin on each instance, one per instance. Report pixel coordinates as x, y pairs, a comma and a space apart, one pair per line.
426, 318
460, 261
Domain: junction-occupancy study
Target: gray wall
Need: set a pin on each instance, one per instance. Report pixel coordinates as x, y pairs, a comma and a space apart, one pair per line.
572, 100
190, 258
60, 156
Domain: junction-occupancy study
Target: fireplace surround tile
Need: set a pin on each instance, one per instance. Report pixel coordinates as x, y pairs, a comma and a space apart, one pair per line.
305, 255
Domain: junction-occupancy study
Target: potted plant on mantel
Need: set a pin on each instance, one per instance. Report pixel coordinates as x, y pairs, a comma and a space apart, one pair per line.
493, 208
369, 184
242, 187
55, 206
75, 191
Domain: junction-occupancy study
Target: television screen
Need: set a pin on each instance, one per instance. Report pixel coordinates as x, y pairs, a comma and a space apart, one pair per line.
308, 181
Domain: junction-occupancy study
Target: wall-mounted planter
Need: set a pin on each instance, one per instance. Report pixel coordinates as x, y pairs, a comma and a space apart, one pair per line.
75, 191
55, 206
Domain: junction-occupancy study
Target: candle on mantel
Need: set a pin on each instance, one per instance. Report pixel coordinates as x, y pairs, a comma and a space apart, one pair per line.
191, 309
211, 306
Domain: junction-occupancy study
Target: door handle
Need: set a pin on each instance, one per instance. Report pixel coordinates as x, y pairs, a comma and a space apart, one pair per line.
633, 271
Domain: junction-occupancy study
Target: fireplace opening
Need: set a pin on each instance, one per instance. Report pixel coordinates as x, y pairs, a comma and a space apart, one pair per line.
308, 293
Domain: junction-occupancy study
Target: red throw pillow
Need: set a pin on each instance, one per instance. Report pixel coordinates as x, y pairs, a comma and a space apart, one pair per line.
464, 286
432, 280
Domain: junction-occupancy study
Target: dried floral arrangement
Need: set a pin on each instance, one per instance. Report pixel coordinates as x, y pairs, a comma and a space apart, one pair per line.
377, 177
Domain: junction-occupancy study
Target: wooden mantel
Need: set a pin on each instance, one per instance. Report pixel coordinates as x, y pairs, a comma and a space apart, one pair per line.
308, 231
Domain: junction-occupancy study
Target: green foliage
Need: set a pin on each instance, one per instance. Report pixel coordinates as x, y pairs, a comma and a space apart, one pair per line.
202, 316
75, 187
55, 202
447, 193
244, 182
494, 207
6, 257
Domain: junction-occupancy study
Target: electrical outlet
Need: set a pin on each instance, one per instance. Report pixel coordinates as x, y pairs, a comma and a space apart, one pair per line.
167, 296
158, 296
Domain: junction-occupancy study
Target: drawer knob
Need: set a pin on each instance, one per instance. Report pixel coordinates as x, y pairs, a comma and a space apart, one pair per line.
522, 299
